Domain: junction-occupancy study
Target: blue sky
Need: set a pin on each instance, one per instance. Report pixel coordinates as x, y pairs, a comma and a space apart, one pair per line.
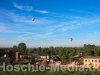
56, 21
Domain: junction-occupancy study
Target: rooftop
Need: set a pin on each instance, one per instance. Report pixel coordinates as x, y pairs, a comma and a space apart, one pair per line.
93, 57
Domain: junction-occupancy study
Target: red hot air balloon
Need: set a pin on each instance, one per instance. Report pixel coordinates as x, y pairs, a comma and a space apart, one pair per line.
33, 19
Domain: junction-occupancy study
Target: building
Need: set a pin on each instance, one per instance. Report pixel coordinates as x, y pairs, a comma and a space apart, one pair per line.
44, 57
54, 58
73, 64
91, 61
16, 56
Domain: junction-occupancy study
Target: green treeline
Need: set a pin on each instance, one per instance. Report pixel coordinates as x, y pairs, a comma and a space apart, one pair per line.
66, 54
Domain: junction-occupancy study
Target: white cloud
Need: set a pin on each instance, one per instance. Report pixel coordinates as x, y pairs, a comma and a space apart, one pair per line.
53, 25
18, 18
29, 8
75, 24
42, 11
21, 7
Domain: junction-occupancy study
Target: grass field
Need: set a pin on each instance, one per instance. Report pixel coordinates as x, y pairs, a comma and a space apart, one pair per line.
51, 73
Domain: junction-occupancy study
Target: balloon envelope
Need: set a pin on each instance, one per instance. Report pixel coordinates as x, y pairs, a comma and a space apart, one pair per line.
33, 19
71, 39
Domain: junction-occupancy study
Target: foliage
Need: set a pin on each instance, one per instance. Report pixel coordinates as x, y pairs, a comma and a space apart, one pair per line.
22, 47
52, 73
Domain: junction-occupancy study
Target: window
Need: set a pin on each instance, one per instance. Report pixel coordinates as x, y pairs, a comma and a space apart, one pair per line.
85, 60
99, 60
95, 60
92, 60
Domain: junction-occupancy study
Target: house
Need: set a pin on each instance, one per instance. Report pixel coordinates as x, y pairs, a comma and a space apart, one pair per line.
91, 61
73, 64
44, 57
58, 63
54, 58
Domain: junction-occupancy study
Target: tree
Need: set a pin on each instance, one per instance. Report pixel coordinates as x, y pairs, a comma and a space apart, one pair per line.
89, 49
51, 49
15, 48
22, 47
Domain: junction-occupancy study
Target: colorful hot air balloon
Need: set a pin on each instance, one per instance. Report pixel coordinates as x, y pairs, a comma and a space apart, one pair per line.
33, 19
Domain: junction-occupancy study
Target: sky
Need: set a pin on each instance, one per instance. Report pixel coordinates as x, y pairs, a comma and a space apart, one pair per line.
56, 21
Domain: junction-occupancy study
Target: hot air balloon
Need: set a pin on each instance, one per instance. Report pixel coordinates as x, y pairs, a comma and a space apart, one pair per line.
71, 39
33, 19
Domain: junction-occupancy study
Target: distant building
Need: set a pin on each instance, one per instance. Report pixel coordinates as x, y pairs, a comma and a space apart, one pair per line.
54, 58
58, 63
16, 56
44, 57
91, 61
73, 64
